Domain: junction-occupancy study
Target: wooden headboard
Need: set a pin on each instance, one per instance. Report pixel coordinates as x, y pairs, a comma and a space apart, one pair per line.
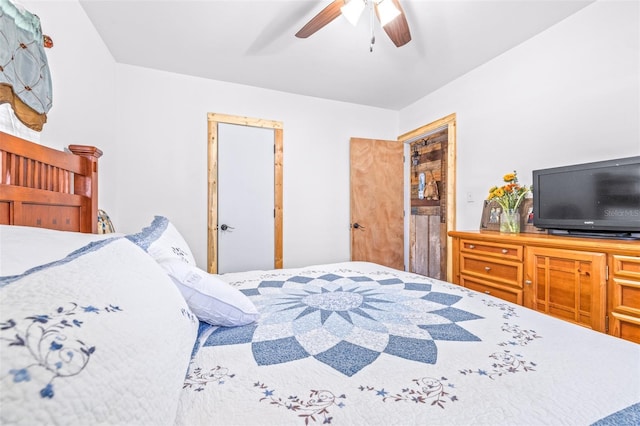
47, 188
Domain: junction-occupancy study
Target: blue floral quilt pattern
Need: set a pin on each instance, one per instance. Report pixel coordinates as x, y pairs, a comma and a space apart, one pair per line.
358, 343
347, 321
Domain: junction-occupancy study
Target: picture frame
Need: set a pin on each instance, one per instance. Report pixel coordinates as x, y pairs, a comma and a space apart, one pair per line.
526, 218
490, 220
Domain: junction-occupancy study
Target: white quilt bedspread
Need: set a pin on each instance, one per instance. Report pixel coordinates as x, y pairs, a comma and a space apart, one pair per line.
360, 344
101, 336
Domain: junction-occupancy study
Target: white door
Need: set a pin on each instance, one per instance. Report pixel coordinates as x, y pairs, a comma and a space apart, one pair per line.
245, 198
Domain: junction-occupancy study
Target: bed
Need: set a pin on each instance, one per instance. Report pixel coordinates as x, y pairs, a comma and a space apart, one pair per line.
126, 329
40, 186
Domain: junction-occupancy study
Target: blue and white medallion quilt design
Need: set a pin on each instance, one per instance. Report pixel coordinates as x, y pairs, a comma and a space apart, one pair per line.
346, 321
360, 344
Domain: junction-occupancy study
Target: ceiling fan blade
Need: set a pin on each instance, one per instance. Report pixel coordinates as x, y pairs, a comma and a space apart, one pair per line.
398, 29
325, 16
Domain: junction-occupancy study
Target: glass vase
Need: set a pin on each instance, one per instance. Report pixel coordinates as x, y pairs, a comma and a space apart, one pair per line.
510, 221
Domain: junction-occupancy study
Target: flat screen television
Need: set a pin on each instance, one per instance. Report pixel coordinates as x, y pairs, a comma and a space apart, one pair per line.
600, 199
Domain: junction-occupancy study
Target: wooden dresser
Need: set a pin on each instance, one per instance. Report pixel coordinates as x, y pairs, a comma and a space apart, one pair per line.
591, 282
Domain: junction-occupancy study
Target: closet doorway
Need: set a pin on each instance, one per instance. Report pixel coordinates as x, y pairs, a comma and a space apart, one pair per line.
432, 172
244, 220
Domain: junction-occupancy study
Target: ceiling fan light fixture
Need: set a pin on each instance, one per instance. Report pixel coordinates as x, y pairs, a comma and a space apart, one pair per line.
353, 10
387, 11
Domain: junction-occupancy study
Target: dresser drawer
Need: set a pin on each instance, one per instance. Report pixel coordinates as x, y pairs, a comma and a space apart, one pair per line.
626, 296
625, 326
508, 294
626, 267
505, 272
499, 250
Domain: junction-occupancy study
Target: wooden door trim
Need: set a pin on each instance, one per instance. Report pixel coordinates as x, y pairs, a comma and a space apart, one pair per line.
213, 119
450, 123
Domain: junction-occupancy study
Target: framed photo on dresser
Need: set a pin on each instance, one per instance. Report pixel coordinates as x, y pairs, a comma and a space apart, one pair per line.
490, 216
526, 218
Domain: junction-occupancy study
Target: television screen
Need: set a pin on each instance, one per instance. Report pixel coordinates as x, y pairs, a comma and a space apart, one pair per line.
602, 196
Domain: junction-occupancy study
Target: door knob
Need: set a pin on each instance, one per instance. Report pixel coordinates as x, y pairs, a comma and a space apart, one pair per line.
226, 227
358, 226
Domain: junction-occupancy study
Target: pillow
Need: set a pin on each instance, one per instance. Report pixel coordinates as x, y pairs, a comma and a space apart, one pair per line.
211, 299
25, 247
80, 341
163, 242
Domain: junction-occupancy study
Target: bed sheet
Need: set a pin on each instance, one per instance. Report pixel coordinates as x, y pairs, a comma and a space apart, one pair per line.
356, 343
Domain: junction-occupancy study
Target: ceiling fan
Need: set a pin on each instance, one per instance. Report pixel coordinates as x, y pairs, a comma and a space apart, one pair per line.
389, 13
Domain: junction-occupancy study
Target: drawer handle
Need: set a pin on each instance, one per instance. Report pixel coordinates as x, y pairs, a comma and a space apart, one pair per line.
486, 268
471, 246
505, 251
487, 292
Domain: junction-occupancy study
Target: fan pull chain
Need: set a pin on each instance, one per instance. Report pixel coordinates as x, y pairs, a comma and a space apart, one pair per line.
371, 22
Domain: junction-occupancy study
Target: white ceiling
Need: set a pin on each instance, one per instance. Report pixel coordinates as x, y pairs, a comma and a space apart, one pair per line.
253, 43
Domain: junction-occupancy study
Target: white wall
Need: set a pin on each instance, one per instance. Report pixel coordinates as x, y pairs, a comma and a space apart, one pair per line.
162, 157
152, 128
569, 95
83, 79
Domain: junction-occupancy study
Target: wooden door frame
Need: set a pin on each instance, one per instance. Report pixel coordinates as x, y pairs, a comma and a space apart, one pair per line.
213, 119
450, 123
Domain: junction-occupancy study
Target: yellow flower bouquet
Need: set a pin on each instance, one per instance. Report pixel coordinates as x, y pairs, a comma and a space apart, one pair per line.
509, 196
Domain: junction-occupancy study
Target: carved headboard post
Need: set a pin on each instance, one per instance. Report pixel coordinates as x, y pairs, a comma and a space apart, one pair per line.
88, 185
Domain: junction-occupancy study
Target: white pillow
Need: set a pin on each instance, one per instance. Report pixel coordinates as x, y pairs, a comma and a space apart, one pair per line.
108, 296
163, 242
211, 299
25, 247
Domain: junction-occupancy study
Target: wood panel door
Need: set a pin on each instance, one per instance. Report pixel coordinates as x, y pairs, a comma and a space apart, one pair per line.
430, 246
377, 198
428, 221
567, 284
